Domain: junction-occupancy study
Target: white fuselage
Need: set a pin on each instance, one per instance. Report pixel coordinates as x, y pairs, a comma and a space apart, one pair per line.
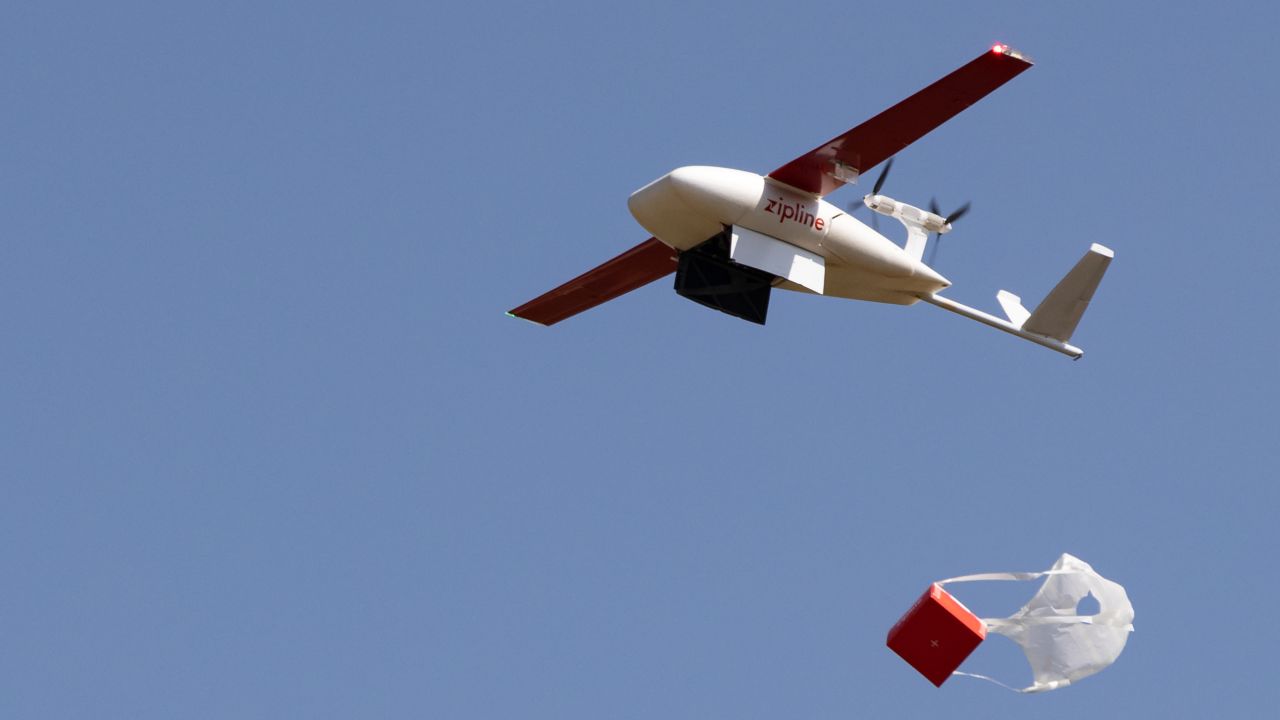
691, 204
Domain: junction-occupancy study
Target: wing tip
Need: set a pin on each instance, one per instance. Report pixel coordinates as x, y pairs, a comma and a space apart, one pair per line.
512, 314
1010, 51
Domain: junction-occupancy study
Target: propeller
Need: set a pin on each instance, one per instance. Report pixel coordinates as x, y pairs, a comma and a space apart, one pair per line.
875, 190
933, 208
958, 213
955, 215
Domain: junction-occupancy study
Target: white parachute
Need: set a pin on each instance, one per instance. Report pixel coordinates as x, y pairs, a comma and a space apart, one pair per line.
1062, 645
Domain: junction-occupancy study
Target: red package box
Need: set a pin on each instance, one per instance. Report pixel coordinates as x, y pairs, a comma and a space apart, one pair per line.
936, 635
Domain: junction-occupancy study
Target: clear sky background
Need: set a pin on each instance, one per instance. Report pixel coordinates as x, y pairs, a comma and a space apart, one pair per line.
270, 448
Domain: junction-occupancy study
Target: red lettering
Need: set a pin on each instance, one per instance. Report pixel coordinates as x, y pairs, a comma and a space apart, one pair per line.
796, 212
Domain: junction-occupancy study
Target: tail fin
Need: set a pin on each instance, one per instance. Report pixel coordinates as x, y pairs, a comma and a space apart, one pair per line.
1059, 313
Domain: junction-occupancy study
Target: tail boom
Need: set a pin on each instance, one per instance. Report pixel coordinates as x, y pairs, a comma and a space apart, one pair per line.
1065, 348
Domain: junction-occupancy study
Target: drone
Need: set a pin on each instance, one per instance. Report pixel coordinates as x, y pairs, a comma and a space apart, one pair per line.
732, 236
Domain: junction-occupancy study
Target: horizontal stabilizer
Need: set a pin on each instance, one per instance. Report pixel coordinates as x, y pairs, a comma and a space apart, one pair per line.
1059, 313
1012, 305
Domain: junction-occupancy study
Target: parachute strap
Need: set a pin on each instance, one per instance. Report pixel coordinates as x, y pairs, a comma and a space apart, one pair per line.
989, 679
1028, 690
1006, 576
997, 623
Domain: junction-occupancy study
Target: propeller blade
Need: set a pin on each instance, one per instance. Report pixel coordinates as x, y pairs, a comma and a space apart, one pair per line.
933, 254
933, 206
875, 221
880, 180
959, 213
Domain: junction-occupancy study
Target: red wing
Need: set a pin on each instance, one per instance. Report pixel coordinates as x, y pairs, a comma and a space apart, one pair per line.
638, 266
879, 138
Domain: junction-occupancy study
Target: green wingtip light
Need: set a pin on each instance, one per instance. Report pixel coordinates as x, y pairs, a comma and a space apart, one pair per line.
531, 322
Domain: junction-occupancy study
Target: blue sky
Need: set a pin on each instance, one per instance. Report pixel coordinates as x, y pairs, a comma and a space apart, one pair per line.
271, 448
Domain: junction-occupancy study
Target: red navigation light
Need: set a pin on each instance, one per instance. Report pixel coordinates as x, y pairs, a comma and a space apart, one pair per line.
999, 48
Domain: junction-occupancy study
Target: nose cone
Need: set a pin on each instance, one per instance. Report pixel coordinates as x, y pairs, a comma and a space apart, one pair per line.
690, 204
724, 193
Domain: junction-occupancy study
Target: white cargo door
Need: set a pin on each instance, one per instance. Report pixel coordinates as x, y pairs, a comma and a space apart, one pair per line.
785, 260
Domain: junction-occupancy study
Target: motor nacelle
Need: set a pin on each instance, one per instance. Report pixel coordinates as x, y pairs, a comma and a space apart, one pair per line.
909, 214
